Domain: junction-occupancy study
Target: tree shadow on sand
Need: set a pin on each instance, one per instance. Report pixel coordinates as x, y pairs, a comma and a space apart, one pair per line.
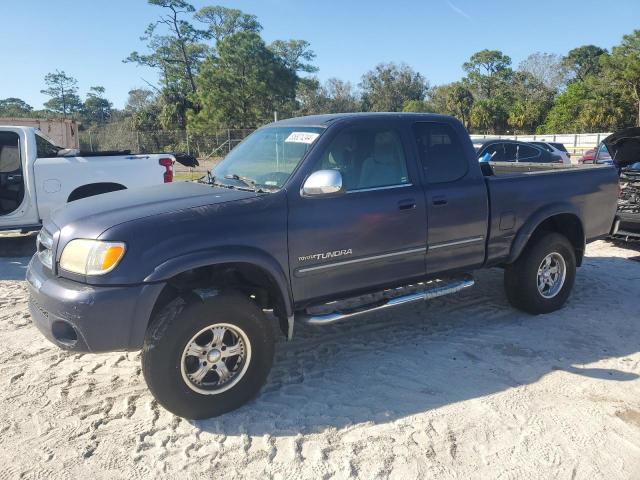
391, 365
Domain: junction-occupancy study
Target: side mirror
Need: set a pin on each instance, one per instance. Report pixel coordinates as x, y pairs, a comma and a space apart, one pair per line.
323, 183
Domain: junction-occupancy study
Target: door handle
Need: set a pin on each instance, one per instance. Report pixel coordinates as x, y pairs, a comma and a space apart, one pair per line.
407, 204
439, 200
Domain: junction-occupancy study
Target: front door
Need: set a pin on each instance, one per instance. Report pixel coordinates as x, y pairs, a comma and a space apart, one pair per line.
456, 199
11, 174
372, 235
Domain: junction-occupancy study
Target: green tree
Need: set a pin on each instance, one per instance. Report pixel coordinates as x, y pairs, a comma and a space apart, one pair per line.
623, 66
587, 106
14, 107
334, 96
415, 106
489, 115
436, 100
547, 68
176, 50
451, 99
459, 102
63, 91
311, 97
583, 61
489, 77
296, 55
143, 110
388, 86
223, 21
530, 99
487, 71
97, 108
243, 85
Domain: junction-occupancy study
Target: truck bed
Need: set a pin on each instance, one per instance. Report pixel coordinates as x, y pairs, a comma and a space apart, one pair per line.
519, 192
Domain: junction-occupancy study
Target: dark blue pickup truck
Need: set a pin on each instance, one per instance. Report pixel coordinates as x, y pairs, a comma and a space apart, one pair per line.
315, 220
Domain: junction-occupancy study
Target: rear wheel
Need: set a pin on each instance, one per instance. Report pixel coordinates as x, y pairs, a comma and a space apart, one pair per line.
205, 358
540, 281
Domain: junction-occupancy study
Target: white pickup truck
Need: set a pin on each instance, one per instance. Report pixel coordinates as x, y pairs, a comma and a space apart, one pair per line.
36, 176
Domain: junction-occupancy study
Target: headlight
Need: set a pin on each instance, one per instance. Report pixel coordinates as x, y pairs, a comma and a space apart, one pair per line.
91, 257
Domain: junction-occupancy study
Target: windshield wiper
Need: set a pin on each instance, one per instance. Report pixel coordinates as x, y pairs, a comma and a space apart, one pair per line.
248, 182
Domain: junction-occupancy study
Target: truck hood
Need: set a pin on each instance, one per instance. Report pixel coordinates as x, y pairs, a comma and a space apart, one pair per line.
89, 217
624, 146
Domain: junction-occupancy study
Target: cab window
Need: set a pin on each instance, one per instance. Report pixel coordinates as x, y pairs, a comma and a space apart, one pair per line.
367, 158
45, 149
441, 153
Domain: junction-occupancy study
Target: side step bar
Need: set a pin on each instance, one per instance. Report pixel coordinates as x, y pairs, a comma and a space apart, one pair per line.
452, 286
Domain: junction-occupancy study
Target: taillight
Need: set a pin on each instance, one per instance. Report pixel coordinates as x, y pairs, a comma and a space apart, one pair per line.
167, 163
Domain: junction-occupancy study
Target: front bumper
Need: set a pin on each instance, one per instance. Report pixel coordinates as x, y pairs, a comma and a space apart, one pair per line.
87, 318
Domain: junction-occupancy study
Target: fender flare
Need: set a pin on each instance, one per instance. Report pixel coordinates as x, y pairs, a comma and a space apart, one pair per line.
222, 255
535, 220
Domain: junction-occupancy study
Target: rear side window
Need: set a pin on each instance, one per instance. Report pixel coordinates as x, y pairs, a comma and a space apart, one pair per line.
528, 154
510, 152
441, 153
496, 152
544, 145
45, 148
9, 153
560, 146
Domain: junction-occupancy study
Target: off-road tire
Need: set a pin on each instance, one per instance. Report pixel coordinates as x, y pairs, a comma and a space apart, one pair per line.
172, 329
521, 277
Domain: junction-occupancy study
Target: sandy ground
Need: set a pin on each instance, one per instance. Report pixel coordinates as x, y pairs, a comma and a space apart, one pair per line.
461, 387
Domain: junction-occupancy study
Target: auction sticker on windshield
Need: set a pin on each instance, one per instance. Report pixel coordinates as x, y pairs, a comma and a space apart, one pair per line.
302, 137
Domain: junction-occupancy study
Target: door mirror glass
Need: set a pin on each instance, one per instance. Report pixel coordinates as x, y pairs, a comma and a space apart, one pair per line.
323, 183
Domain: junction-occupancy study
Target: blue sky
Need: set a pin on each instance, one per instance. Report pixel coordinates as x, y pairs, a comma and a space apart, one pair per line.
89, 38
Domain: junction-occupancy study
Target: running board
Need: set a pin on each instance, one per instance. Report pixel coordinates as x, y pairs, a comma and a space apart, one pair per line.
440, 289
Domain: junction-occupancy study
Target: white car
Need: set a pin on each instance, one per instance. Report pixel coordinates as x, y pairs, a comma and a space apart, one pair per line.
36, 176
557, 149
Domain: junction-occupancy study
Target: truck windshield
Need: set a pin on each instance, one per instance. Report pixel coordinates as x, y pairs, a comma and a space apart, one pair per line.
266, 158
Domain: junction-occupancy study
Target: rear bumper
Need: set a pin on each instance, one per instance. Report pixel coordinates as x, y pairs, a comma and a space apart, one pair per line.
86, 318
628, 225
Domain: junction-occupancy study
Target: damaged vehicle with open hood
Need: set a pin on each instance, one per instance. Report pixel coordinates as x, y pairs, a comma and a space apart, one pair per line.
624, 147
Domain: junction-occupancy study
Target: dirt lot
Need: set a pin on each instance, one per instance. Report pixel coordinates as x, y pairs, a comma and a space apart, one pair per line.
462, 387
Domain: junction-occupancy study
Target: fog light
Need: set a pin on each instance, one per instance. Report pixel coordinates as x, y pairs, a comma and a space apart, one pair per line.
64, 333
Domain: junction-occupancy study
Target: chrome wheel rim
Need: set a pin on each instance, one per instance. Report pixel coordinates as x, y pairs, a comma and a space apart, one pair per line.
215, 359
551, 275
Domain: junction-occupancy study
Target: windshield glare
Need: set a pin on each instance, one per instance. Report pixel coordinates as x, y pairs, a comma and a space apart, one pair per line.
268, 156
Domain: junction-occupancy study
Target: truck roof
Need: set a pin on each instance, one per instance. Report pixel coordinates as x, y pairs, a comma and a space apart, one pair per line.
326, 119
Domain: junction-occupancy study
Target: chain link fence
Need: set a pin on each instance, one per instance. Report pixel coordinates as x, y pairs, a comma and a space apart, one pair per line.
203, 146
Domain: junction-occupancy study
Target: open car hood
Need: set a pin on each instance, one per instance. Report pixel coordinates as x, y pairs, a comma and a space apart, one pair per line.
624, 146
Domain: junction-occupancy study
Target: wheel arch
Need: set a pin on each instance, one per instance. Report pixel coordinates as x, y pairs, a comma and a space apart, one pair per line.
92, 189
249, 270
563, 219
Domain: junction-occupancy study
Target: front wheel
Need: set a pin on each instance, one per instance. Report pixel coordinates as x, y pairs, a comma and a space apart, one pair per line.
540, 281
203, 358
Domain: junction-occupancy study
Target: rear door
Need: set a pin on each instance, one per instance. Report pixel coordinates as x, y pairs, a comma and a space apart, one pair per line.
370, 236
12, 181
456, 198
